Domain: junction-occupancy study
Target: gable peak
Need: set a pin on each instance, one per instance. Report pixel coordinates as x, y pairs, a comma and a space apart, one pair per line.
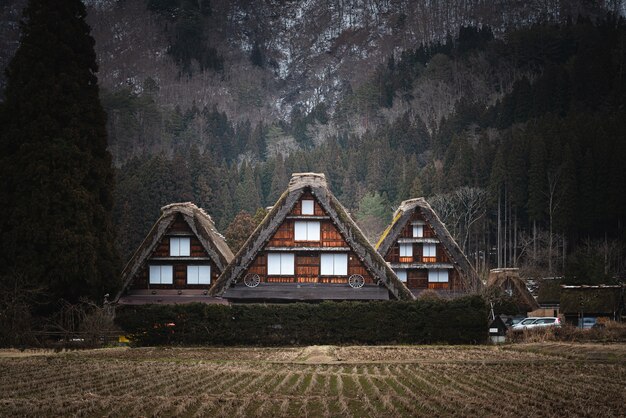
300, 180
187, 208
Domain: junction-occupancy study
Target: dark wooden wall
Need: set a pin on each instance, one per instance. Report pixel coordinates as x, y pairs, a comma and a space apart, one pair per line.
307, 263
179, 228
418, 278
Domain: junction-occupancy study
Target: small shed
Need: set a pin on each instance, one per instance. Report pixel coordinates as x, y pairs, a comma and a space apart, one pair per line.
497, 330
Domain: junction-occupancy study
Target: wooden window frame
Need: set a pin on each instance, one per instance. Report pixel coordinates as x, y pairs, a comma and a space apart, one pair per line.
198, 267
312, 203
175, 243
334, 258
438, 273
280, 256
307, 226
160, 268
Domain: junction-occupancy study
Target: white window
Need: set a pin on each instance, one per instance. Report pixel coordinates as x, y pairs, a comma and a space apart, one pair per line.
438, 275
430, 250
401, 273
307, 230
334, 265
308, 207
198, 274
280, 264
161, 274
406, 250
180, 247
418, 231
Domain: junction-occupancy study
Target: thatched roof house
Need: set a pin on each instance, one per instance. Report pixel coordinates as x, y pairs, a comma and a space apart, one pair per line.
308, 248
508, 281
592, 300
178, 261
423, 254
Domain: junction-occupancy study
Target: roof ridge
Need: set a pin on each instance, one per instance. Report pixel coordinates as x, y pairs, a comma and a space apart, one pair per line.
299, 180
185, 207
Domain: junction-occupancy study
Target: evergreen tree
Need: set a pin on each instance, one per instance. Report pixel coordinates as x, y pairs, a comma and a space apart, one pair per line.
57, 178
279, 180
239, 230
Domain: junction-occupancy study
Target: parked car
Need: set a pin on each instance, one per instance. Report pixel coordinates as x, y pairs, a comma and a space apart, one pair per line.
588, 322
534, 323
514, 321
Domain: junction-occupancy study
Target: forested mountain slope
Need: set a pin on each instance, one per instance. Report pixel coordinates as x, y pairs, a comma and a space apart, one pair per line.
514, 109
525, 174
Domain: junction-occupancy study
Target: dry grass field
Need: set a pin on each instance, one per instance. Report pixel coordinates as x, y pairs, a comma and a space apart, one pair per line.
520, 380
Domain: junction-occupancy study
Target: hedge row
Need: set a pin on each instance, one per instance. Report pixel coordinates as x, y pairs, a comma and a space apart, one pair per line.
460, 321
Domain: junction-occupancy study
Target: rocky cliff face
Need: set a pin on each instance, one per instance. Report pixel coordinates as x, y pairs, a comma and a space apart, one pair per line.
311, 51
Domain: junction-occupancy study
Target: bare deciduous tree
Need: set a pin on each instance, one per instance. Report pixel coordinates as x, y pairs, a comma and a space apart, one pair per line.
460, 210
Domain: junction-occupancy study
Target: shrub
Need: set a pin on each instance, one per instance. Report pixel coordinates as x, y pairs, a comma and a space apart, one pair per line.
611, 332
460, 321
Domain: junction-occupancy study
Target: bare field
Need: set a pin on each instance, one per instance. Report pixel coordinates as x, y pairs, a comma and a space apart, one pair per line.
524, 380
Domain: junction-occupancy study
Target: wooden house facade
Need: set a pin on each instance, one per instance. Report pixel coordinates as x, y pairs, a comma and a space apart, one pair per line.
421, 251
179, 260
308, 248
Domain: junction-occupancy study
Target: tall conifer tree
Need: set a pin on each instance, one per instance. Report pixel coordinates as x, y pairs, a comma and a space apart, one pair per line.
57, 178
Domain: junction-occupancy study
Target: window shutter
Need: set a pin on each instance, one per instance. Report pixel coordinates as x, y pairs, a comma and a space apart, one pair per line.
273, 264
430, 250
167, 274
341, 264
174, 247
300, 231
306, 231
155, 274
308, 207
287, 264
327, 264
192, 274
406, 250
438, 275
185, 247
313, 231
204, 275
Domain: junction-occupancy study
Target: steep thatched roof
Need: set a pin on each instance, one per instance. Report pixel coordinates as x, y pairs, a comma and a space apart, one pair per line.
593, 299
508, 278
403, 215
316, 184
201, 225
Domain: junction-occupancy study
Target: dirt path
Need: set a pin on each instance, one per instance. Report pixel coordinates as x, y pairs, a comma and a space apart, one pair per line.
318, 354
14, 353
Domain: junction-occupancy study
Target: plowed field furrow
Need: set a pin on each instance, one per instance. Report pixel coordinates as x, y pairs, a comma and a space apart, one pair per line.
381, 393
386, 382
341, 400
421, 404
292, 386
482, 380
416, 378
52, 379
313, 384
366, 395
205, 407
471, 394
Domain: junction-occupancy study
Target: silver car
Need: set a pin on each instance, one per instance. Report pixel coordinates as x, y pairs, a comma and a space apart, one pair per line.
534, 323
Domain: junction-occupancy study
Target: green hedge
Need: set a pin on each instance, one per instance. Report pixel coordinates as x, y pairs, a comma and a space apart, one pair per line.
460, 321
